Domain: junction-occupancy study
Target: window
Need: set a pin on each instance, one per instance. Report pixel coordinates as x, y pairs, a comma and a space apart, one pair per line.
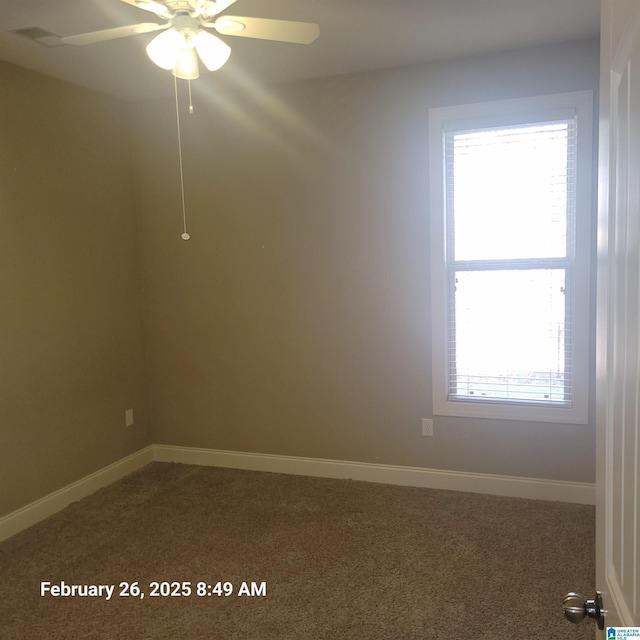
511, 218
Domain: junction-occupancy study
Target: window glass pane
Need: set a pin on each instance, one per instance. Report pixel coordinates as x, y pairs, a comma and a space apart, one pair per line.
509, 191
509, 340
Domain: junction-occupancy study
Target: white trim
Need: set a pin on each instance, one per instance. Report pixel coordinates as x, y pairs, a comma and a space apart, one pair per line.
554, 490
516, 487
618, 599
40, 509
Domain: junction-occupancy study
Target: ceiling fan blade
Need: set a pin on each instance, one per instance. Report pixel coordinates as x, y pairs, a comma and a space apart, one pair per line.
210, 8
112, 34
266, 29
151, 5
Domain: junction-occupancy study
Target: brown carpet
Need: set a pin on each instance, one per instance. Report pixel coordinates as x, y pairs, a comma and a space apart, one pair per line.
340, 559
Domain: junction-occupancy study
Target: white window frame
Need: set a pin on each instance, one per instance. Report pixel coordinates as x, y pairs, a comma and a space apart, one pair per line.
496, 114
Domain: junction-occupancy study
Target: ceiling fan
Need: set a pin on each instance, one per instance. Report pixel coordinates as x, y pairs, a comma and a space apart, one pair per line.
186, 37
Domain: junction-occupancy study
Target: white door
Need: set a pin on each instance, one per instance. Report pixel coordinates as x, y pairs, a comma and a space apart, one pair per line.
618, 349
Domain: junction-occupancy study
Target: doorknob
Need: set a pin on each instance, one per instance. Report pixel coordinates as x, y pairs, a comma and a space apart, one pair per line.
576, 608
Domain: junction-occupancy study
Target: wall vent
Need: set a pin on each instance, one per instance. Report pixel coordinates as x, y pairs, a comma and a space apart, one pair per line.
41, 36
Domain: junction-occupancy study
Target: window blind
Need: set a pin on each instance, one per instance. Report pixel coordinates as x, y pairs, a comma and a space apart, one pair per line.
510, 200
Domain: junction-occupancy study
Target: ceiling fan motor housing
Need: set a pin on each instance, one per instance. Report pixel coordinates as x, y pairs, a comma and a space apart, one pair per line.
191, 7
183, 22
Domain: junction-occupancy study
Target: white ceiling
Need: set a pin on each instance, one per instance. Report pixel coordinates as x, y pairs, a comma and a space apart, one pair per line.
355, 35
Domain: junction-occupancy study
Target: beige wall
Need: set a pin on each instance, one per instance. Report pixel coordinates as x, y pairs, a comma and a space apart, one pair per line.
296, 320
71, 358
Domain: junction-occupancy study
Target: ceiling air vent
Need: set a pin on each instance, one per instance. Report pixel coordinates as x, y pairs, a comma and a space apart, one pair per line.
42, 36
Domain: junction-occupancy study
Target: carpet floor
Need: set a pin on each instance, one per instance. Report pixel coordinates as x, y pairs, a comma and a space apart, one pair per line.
221, 553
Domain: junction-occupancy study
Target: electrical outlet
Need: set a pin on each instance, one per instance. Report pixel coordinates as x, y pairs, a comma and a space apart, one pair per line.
128, 417
427, 426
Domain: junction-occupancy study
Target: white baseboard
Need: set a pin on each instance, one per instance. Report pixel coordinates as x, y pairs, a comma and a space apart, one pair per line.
554, 490
576, 492
58, 500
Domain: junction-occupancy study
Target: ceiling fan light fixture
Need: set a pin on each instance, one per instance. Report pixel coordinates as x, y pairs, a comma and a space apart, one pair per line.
213, 52
186, 66
164, 50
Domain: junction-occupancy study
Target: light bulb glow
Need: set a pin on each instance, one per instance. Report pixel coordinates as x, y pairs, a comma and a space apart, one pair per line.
164, 49
212, 51
175, 50
186, 66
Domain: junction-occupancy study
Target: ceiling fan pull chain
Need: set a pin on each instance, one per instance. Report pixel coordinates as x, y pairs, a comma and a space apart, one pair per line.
190, 101
185, 235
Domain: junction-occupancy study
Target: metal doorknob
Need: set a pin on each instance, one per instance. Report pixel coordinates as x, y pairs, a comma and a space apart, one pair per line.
576, 608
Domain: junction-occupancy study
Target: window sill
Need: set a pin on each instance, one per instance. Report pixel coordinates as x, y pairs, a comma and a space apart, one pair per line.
512, 411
